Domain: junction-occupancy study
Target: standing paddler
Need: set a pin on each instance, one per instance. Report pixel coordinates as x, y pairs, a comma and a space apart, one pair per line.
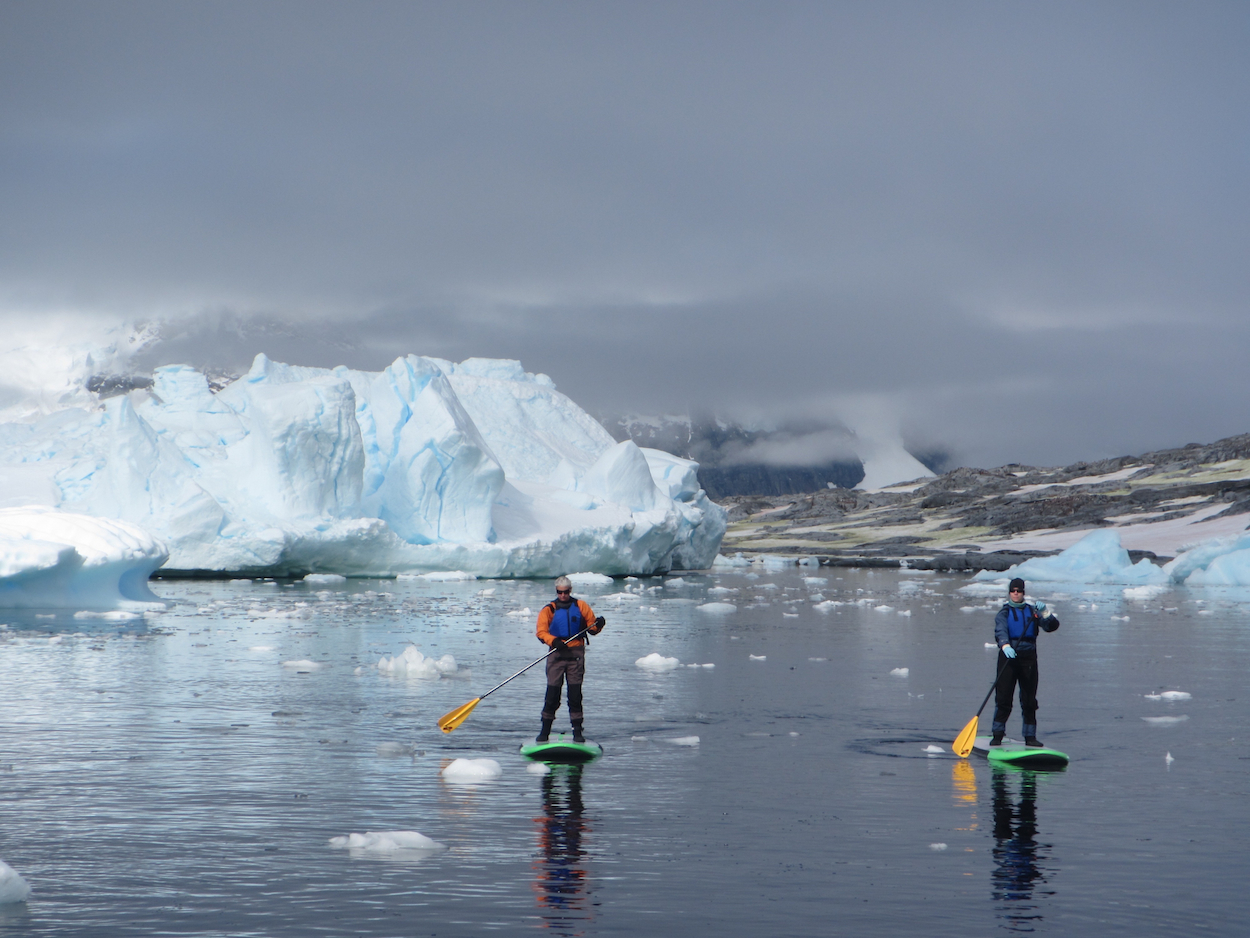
1016, 628
558, 624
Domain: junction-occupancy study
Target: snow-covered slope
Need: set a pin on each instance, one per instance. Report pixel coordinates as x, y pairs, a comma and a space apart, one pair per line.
426, 465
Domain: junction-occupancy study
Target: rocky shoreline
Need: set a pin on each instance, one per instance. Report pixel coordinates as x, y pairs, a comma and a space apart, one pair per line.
968, 518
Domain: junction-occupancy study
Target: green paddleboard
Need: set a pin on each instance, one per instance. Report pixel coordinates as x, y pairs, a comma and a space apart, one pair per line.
1014, 752
561, 748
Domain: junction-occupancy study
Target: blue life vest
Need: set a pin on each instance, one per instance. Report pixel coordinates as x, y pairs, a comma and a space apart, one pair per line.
565, 623
1018, 623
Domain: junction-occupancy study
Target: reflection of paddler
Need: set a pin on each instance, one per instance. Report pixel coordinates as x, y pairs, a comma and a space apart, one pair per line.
1017, 855
561, 878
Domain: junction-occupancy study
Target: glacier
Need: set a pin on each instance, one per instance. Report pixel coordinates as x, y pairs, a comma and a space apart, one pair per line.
425, 466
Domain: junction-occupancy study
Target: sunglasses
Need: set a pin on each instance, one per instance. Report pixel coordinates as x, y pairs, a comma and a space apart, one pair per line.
564, 592
1013, 591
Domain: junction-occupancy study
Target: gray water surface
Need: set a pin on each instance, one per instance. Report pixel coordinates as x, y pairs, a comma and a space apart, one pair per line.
168, 776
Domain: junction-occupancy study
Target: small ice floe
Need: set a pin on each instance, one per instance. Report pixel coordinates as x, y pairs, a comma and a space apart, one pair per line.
793, 733
656, 662
1119, 618
933, 750
937, 846
489, 592
720, 609
324, 578
470, 771
589, 579
411, 663
815, 580
817, 597
883, 608
817, 659
386, 842
674, 581
538, 768
972, 609
1206, 612
721, 591
828, 605
685, 741
520, 612
904, 612
1168, 759
901, 672
114, 615
304, 664
439, 576
1170, 695
1144, 592
395, 749
758, 657
789, 615
991, 645
12, 887
260, 648
1165, 721
700, 665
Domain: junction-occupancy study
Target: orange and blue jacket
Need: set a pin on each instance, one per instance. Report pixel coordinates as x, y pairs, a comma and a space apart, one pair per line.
548, 611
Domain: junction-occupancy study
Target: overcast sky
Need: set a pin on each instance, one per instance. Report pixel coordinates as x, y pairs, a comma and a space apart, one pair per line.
1021, 229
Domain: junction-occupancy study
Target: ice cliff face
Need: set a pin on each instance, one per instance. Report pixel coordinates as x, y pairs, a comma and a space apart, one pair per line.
427, 465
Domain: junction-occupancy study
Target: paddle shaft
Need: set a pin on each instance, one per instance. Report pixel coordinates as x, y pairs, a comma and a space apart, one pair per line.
993, 687
544, 658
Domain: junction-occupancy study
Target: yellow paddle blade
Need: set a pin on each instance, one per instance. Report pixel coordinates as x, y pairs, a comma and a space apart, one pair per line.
963, 742
449, 721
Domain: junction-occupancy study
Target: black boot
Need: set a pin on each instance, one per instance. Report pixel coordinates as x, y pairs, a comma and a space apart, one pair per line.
1032, 742
577, 732
544, 734
996, 739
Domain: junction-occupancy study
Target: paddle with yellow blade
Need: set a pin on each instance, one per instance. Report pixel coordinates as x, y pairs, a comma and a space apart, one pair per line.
968, 735
449, 721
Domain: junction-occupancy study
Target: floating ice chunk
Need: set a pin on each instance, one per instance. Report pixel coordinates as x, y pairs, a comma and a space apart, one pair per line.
883, 608
685, 741
13, 888
1206, 612
489, 592
815, 580
1165, 721
721, 591
412, 663
1120, 618
1144, 592
589, 579
937, 846
901, 672
113, 615
472, 770
1168, 759
1096, 558
260, 648
758, 657
817, 659
56, 558
719, 609
446, 576
520, 612
674, 581
789, 615
325, 578
991, 645
386, 842
904, 612
303, 664
1223, 561
828, 605
1170, 695
723, 562
933, 750
656, 662
538, 768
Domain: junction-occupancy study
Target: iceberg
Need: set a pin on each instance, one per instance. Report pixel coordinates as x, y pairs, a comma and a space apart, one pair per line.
425, 466
57, 559
1097, 558
1223, 561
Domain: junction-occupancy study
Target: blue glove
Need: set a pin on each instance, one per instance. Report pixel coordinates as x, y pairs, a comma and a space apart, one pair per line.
1041, 608
1009, 651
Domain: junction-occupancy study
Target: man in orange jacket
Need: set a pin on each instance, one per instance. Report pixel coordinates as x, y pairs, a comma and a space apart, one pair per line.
560, 626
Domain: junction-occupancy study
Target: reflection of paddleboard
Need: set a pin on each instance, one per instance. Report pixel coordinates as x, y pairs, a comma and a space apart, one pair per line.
561, 748
1014, 752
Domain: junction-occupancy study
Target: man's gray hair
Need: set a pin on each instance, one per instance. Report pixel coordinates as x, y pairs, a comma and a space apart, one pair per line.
563, 582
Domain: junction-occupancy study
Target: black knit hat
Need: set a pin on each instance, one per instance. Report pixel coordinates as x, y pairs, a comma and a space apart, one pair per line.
1016, 584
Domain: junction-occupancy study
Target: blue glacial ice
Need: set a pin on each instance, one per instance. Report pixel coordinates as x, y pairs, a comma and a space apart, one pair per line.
1097, 558
425, 466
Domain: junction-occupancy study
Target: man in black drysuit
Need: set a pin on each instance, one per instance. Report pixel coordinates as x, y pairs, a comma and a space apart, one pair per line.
1016, 628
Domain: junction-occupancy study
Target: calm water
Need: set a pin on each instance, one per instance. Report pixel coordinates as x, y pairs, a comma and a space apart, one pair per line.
170, 777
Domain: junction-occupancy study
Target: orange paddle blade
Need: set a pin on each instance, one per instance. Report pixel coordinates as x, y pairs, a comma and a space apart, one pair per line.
449, 721
967, 736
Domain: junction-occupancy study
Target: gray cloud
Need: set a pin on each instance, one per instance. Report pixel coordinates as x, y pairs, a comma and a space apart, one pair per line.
1019, 229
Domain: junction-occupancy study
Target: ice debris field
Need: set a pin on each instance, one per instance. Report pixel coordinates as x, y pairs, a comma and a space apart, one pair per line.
427, 466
